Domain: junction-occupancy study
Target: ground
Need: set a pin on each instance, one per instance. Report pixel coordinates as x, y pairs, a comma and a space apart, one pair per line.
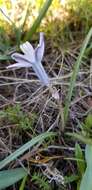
27, 108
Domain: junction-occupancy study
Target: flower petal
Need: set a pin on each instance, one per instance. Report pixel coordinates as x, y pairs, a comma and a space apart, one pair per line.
32, 58
39, 51
28, 51
19, 57
19, 65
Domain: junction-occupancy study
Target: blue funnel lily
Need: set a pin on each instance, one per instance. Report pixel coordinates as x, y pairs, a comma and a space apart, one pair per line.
32, 58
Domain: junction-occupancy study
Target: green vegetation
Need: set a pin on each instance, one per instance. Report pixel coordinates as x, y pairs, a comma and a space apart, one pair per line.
41, 181
9, 177
15, 115
33, 148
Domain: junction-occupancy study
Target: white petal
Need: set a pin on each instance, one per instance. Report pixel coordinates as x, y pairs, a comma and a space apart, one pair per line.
28, 50
19, 65
39, 51
19, 57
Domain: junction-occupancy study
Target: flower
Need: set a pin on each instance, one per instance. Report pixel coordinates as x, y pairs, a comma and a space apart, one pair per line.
32, 58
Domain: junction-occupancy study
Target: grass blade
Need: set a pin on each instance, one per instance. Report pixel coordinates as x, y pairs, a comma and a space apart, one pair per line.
79, 155
24, 148
37, 22
80, 137
74, 75
86, 182
22, 186
9, 177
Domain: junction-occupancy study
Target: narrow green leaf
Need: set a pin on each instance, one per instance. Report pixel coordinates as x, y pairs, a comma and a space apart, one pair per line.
37, 22
88, 121
81, 138
78, 184
88, 155
9, 177
24, 148
86, 182
79, 155
22, 186
74, 75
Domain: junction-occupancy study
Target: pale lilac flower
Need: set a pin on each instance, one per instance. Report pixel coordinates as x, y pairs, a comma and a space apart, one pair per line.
32, 58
